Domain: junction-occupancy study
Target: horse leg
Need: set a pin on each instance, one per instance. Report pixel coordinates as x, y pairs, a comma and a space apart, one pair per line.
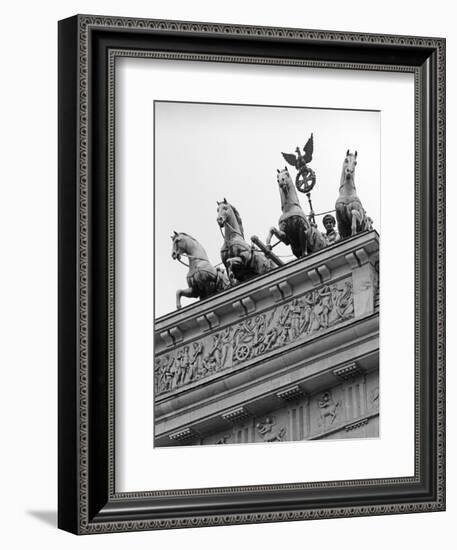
187, 292
342, 221
278, 234
355, 219
300, 246
229, 266
303, 243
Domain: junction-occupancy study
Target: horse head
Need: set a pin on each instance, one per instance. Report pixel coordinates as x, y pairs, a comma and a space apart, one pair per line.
284, 181
223, 212
349, 164
228, 215
181, 242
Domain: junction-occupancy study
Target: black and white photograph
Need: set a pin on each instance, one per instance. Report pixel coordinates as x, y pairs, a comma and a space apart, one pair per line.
266, 273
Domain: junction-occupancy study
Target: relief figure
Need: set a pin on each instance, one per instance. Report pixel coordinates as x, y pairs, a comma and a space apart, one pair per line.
328, 407
269, 431
316, 310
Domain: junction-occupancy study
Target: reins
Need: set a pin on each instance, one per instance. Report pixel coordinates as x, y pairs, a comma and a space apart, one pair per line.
178, 257
232, 228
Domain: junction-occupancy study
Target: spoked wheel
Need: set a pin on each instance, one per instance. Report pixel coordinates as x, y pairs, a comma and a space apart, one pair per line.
242, 352
305, 180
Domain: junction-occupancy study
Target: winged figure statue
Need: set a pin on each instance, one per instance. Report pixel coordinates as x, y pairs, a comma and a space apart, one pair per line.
306, 178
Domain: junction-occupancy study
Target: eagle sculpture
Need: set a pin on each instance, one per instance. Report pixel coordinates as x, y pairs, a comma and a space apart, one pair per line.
300, 161
306, 178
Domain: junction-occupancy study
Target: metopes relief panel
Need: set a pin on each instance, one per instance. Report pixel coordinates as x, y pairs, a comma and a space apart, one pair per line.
349, 410
294, 321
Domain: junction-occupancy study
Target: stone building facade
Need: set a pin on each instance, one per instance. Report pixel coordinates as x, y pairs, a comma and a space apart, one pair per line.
290, 355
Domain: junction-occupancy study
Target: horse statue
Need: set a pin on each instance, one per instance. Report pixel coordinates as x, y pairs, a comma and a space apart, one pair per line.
294, 227
350, 214
203, 279
241, 260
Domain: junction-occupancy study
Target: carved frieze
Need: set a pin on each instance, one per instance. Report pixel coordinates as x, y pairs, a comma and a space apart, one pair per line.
297, 319
328, 408
374, 398
333, 413
270, 431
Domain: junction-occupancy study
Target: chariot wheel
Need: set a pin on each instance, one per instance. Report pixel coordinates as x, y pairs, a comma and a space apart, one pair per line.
242, 352
305, 180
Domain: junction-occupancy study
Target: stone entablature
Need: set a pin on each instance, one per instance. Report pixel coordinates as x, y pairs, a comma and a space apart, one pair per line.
294, 320
262, 384
299, 276
292, 334
349, 409
290, 304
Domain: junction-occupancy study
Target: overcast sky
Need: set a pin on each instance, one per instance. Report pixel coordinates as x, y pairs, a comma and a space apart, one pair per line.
205, 152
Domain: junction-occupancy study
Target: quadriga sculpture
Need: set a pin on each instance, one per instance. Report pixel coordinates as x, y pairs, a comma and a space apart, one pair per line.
240, 258
350, 214
203, 279
294, 228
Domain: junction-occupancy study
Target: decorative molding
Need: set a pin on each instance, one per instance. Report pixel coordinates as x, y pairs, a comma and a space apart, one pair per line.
281, 291
208, 321
185, 434
290, 393
248, 304
239, 414
244, 306
238, 307
356, 425
213, 319
357, 258
348, 371
177, 334
203, 323
286, 289
314, 276
234, 30
324, 273
362, 256
276, 293
319, 275
351, 259
167, 338
172, 336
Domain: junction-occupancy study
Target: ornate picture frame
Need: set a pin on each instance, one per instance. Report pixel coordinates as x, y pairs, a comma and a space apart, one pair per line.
88, 500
